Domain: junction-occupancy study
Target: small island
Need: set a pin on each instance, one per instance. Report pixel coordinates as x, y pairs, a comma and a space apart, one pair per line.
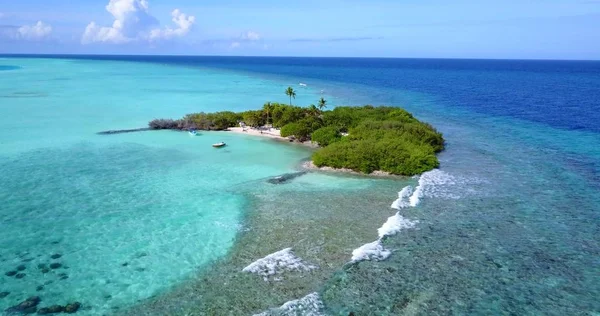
364, 139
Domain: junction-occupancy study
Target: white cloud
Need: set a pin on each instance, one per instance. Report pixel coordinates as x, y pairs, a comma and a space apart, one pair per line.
246, 38
35, 32
133, 22
250, 36
184, 25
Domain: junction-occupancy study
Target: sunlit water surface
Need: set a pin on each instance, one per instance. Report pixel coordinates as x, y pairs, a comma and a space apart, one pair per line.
161, 223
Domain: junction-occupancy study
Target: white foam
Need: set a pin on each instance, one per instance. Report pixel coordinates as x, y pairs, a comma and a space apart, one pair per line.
371, 251
403, 197
310, 305
394, 225
435, 183
276, 263
415, 198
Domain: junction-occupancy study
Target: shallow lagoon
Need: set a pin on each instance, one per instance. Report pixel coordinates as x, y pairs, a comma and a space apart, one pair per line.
129, 214
511, 228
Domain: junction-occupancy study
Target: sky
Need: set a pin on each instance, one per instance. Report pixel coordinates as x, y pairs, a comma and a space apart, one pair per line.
503, 29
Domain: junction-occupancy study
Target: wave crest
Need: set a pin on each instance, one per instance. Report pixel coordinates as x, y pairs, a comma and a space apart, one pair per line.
276, 263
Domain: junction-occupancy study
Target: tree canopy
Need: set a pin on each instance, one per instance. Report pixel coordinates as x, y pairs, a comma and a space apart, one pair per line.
291, 93
363, 139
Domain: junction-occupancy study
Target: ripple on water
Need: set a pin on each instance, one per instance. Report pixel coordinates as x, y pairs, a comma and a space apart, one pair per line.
106, 226
24, 94
9, 67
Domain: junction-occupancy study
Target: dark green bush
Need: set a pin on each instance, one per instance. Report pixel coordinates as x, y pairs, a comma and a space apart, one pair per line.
380, 138
299, 130
327, 135
254, 118
285, 114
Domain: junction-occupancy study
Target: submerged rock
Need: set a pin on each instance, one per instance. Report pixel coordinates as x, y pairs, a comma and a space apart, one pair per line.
122, 131
39, 288
21, 267
286, 177
45, 270
63, 276
141, 254
72, 307
55, 265
51, 310
10, 273
56, 256
4, 294
28, 306
20, 275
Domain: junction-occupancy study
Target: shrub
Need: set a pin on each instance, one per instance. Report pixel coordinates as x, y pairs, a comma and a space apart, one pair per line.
254, 118
380, 138
327, 135
163, 124
299, 130
285, 114
224, 120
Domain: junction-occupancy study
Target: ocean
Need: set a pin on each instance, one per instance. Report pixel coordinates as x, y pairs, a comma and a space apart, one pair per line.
160, 223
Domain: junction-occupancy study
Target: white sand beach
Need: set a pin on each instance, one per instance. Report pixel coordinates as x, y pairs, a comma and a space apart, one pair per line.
272, 133
266, 132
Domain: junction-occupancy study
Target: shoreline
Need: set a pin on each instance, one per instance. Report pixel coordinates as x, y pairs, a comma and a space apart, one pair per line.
270, 133
273, 133
224, 285
310, 166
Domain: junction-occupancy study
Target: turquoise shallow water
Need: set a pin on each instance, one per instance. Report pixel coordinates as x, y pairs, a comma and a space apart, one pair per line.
129, 214
509, 226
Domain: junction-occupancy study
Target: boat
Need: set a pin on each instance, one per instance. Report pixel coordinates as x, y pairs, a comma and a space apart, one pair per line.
218, 145
302, 84
193, 132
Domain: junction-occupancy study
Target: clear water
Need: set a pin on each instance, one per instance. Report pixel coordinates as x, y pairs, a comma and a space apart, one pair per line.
130, 214
511, 229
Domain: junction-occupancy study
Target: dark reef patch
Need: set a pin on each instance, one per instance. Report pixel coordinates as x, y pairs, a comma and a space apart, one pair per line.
9, 67
55, 265
28, 306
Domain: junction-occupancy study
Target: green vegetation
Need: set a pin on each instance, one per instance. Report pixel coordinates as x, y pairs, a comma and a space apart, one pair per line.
363, 139
326, 136
291, 93
322, 103
379, 138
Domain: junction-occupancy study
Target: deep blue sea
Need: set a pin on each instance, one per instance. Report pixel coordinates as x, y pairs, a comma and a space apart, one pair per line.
508, 225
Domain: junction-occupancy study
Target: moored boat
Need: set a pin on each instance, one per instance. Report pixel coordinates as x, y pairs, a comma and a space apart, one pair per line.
221, 144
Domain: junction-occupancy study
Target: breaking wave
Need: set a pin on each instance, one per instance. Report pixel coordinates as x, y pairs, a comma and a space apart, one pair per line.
277, 263
433, 183
310, 305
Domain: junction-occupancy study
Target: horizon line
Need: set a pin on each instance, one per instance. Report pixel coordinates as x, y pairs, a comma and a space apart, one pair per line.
306, 57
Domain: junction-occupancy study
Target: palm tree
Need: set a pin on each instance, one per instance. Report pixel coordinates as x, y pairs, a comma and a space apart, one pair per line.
322, 103
291, 93
313, 110
267, 108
